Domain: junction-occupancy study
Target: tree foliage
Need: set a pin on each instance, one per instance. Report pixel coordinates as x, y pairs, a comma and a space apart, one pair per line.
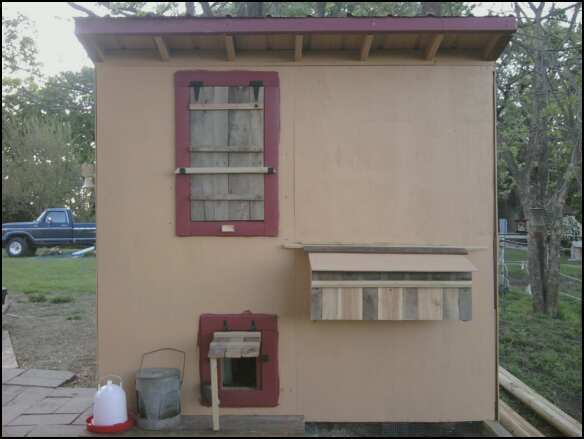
540, 132
19, 52
39, 169
47, 129
275, 9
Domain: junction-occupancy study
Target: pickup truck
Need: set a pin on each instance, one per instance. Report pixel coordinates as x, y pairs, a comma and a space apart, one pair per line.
55, 226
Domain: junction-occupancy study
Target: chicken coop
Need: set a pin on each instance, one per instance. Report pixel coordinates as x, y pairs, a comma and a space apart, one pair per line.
328, 184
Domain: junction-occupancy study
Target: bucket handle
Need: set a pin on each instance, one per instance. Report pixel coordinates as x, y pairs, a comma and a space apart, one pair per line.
108, 376
168, 349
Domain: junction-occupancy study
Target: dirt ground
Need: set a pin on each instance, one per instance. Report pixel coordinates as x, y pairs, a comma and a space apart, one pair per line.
54, 335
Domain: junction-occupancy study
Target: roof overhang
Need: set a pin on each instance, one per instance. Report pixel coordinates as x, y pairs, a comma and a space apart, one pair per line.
165, 36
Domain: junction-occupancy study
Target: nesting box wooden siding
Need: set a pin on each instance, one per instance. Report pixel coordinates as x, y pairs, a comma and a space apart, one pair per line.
360, 286
378, 138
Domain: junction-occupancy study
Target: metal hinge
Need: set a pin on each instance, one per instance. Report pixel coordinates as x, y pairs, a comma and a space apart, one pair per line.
256, 88
197, 86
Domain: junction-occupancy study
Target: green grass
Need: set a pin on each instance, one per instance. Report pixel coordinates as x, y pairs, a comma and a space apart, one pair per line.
544, 353
61, 299
68, 276
571, 270
37, 298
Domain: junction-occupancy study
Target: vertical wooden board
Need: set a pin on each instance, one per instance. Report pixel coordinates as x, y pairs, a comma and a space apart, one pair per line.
246, 127
238, 210
351, 304
256, 210
209, 159
244, 95
316, 304
465, 304
214, 393
209, 128
210, 95
197, 211
429, 303
450, 304
246, 159
410, 304
370, 303
330, 303
246, 184
216, 210
391, 303
209, 185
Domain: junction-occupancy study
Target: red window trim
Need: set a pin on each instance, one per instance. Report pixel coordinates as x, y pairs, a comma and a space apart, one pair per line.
184, 225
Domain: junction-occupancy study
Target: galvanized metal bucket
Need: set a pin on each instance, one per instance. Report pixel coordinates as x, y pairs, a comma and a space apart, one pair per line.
158, 394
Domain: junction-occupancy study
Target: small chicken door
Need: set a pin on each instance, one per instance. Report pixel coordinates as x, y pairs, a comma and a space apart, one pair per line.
244, 381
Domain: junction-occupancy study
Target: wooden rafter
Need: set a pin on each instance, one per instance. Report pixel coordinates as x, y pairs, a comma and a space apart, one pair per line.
230, 47
432, 48
93, 49
494, 47
298, 46
366, 47
162, 48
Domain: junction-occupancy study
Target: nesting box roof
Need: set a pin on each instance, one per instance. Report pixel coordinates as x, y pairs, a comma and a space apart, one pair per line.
165, 37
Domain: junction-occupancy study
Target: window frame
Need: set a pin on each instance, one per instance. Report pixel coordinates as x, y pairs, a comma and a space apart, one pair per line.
270, 81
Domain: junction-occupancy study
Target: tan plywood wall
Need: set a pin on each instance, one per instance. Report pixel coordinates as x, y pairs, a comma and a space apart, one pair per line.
368, 153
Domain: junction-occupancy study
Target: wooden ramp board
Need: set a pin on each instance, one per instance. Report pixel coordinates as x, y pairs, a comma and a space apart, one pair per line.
544, 408
513, 422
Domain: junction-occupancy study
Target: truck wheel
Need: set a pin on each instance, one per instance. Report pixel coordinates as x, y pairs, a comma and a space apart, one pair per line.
17, 247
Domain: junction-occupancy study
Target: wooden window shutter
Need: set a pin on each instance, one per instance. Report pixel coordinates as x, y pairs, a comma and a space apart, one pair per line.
226, 180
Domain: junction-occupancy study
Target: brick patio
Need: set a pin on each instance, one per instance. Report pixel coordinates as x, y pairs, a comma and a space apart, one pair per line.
34, 404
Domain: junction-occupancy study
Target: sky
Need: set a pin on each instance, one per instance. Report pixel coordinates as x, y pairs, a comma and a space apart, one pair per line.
59, 49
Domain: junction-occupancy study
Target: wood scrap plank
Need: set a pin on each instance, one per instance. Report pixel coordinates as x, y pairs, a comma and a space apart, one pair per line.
513, 422
330, 303
316, 304
465, 304
548, 411
370, 303
390, 284
390, 304
429, 304
450, 307
214, 394
351, 303
410, 304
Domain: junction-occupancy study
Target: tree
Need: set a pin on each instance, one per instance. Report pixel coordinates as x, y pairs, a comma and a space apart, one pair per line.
276, 9
540, 129
38, 168
68, 97
19, 52
47, 128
